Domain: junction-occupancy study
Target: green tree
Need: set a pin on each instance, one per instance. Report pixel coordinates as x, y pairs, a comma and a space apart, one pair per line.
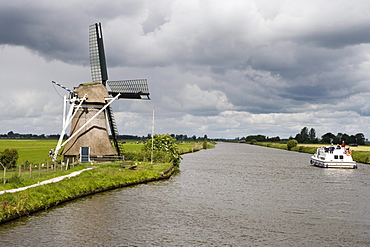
205, 142
360, 138
164, 149
259, 138
291, 144
328, 138
9, 158
312, 135
303, 136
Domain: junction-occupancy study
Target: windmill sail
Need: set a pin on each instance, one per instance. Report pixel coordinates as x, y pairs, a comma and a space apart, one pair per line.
97, 54
129, 89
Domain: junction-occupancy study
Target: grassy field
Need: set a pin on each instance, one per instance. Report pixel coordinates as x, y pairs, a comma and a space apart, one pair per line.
359, 148
36, 151
33, 151
101, 178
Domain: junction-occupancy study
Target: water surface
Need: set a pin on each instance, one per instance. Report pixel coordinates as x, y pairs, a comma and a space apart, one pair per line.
233, 195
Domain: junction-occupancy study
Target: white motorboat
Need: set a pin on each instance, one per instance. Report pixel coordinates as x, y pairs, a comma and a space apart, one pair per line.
331, 157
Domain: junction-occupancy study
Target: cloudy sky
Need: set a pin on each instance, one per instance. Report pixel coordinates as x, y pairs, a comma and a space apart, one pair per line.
224, 68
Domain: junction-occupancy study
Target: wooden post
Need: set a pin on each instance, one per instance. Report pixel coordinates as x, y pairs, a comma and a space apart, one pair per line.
39, 170
67, 164
30, 170
4, 175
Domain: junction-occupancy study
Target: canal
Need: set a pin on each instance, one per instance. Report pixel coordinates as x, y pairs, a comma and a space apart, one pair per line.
233, 195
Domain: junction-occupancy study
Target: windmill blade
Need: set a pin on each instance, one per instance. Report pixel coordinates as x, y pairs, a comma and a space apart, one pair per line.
97, 54
129, 89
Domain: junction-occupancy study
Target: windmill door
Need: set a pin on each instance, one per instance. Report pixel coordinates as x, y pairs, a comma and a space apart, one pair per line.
84, 154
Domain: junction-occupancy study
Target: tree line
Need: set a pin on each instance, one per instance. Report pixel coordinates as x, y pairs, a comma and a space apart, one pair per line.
309, 136
178, 137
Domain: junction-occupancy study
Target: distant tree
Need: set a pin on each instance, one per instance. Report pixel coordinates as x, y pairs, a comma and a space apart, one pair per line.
9, 158
352, 139
205, 142
303, 136
340, 137
312, 135
273, 139
10, 134
327, 138
360, 139
345, 138
259, 138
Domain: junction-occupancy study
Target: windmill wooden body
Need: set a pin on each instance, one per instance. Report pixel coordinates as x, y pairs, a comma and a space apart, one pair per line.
90, 111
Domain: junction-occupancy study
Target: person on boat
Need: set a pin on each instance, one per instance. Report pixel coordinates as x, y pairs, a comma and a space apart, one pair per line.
338, 146
331, 148
343, 144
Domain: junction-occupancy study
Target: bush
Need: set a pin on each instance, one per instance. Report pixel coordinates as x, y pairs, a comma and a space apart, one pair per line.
291, 144
164, 149
9, 158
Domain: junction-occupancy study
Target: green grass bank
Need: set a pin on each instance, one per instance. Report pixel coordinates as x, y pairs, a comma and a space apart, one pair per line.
103, 177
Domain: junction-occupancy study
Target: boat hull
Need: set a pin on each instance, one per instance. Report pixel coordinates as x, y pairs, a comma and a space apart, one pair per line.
333, 164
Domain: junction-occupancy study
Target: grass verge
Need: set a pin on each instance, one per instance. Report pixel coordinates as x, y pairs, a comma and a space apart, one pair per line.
102, 178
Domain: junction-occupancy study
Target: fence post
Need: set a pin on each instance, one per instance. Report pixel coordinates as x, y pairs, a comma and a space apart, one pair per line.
30, 170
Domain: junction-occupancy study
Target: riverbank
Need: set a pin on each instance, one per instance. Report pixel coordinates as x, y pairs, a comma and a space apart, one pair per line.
360, 154
101, 178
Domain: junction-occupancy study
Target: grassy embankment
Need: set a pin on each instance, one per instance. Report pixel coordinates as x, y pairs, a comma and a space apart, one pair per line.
360, 154
101, 178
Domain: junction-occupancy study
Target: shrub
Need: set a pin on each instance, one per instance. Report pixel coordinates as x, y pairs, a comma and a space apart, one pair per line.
291, 144
9, 158
253, 141
164, 149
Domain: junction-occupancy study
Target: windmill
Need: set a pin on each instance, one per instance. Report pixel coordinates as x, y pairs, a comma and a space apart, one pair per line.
90, 110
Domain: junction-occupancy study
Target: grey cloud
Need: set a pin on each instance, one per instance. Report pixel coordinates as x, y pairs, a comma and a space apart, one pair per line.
261, 63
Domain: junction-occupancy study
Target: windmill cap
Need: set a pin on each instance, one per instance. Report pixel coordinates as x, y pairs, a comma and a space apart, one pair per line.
96, 92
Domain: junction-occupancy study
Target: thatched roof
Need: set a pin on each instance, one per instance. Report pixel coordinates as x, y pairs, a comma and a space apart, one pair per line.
96, 92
